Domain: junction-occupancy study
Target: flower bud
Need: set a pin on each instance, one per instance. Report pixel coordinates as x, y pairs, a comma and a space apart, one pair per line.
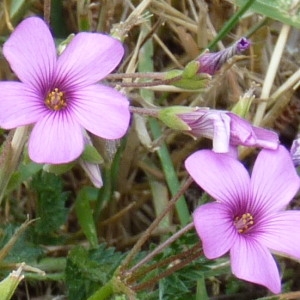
210, 63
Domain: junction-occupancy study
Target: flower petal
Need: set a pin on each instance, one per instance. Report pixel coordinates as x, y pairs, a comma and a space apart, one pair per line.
87, 59
222, 133
274, 180
213, 223
220, 175
266, 138
102, 111
31, 53
281, 233
19, 105
211, 124
253, 262
243, 133
56, 139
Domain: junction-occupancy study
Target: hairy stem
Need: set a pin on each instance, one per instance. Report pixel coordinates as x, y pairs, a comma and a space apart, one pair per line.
188, 256
160, 248
136, 248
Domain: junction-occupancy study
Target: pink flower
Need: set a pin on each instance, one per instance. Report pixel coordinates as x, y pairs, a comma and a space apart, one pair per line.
211, 62
60, 95
249, 218
226, 128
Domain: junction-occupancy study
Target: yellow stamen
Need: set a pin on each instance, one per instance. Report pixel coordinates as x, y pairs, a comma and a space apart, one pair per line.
56, 100
244, 223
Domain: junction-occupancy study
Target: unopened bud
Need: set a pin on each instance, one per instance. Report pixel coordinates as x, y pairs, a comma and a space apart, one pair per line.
210, 63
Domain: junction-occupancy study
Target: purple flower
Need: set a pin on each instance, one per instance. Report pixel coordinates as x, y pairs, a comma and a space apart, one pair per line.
226, 128
210, 63
249, 218
60, 95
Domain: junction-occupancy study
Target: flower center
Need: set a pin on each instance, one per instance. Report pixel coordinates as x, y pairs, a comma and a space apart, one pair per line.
243, 223
56, 100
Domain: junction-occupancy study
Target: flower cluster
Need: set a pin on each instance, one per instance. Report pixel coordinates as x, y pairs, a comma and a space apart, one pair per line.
61, 97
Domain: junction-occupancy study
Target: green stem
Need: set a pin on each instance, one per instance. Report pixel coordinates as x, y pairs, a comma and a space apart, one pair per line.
112, 287
104, 292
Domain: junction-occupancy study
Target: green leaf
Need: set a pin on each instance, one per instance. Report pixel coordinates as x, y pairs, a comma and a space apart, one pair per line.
199, 81
284, 11
188, 78
58, 169
85, 214
23, 250
89, 270
10, 283
173, 74
25, 172
91, 155
170, 116
80, 274
191, 69
51, 209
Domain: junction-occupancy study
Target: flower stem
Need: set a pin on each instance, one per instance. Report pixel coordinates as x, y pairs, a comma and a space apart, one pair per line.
136, 248
148, 83
165, 244
113, 286
144, 111
171, 260
188, 256
104, 292
143, 75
